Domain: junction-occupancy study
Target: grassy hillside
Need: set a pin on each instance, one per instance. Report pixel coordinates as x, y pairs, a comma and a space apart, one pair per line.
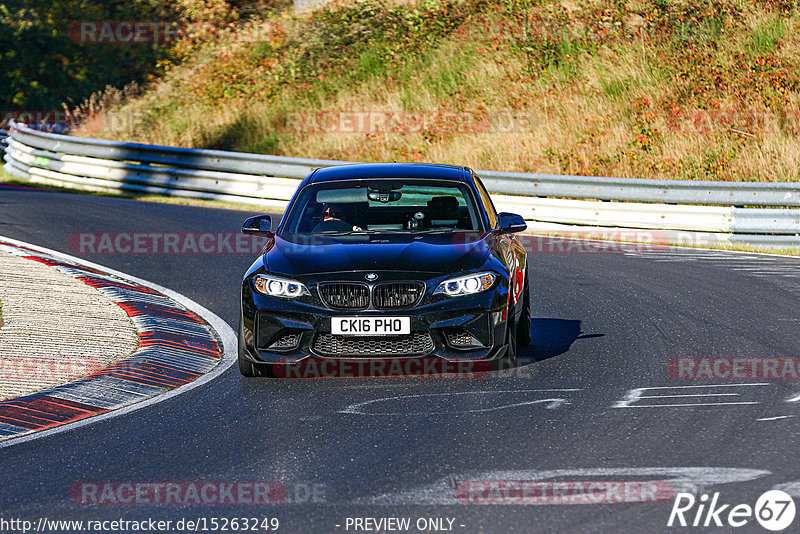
682, 89
47, 63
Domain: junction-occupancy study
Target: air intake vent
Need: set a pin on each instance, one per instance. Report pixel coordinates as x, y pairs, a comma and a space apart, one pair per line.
460, 337
286, 342
348, 296
397, 294
414, 344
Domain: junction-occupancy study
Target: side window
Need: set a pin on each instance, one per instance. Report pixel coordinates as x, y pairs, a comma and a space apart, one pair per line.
491, 213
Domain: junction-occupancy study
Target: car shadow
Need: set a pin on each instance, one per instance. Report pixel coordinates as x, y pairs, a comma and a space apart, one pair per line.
551, 337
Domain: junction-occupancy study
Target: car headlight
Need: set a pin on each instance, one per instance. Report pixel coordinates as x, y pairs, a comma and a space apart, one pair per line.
279, 287
465, 285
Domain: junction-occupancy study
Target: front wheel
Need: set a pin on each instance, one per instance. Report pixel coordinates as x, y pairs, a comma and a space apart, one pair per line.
524, 329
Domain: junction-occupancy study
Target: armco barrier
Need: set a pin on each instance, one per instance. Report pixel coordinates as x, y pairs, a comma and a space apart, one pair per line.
715, 208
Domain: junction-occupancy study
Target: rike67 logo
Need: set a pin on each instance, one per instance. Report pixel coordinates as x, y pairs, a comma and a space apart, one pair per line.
774, 510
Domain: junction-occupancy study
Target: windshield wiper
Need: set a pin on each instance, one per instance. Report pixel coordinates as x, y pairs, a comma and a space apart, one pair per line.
351, 232
435, 231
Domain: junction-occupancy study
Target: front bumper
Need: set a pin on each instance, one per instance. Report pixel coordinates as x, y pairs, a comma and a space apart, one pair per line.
466, 328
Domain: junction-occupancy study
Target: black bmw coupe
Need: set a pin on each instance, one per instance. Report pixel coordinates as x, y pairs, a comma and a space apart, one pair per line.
386, 261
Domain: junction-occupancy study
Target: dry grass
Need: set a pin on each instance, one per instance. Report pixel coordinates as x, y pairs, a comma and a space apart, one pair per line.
693, 90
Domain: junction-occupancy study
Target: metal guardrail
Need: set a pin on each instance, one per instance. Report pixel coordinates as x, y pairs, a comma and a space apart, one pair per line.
270, 181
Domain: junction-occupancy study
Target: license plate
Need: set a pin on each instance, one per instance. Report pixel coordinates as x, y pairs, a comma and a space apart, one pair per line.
370, 326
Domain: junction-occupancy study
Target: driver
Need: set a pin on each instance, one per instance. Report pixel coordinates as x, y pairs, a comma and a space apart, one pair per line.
333, 221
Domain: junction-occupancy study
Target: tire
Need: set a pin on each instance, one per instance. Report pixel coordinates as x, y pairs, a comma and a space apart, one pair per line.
246, 367
509, 359
524, 327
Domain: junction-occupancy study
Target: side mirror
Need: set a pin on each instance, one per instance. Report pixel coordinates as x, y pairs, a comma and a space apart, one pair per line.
258, 225
511, 223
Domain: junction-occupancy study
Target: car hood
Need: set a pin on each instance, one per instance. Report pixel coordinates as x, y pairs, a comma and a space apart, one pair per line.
426, 253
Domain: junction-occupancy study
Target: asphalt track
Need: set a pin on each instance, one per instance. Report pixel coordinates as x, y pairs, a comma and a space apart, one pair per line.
605, 323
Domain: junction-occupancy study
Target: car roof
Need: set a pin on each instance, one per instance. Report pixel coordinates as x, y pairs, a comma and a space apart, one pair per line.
362, 171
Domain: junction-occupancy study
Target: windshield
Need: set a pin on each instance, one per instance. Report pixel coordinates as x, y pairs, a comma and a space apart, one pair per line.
382, 206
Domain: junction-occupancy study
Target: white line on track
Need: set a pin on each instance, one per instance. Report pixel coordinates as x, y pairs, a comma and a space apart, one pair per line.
225, 333
684, 405
775, 418
694, 395
633, 396
550, 403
